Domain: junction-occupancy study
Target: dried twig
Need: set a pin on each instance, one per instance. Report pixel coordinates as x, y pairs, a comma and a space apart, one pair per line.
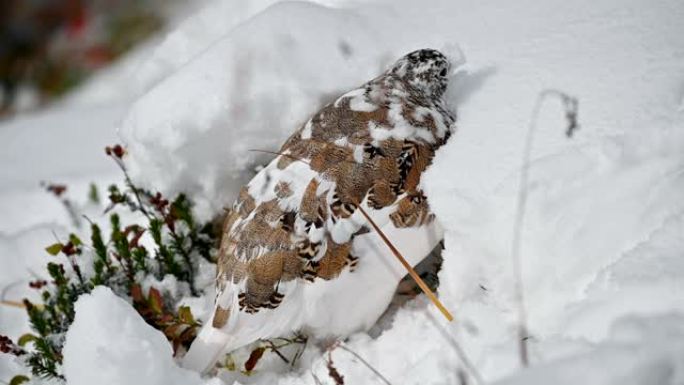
297, 355
129, 182
409, 268
5, 302
460, 352
59, 190
377, 373
279, 153
302, 340
333, 372
570, 104
13, 304
316, 379
275, 350
462, 377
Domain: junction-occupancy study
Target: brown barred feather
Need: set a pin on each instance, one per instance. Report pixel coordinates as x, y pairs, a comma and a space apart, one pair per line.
266, 243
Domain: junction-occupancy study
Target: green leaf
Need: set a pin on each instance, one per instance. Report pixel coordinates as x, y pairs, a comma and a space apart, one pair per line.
18, 380
56, 271
76, 241
93, 194
116, 222
181, 209
99, 246
54, 249
185, 315
230, 363
155, 230
26, 338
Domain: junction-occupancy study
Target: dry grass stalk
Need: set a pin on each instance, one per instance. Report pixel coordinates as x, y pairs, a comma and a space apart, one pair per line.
409, 268
278, 153
375, 371
13, 304
570, 106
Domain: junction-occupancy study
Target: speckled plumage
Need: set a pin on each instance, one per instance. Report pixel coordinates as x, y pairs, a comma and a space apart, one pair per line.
295, 236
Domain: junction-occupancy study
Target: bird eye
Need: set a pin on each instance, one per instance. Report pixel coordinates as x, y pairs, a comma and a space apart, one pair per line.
443, 73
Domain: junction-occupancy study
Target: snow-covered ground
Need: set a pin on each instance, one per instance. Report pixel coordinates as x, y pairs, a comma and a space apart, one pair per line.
603, 243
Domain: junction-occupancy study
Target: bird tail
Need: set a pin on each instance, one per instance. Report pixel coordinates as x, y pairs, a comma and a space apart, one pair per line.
206, 349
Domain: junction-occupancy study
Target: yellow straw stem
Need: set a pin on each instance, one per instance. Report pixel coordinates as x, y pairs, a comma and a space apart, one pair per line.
409, 268
12, 303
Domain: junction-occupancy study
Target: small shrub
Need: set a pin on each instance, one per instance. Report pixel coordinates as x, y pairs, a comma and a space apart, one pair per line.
119, 259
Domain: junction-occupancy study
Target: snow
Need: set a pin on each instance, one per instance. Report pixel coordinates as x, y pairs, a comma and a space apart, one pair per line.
638, 351
604, 236
54, 146
252, 87
109, 343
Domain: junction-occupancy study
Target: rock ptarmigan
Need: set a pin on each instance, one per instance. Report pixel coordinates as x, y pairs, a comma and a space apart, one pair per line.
297, 253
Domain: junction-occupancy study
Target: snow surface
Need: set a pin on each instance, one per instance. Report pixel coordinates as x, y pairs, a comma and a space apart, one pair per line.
603, 244
251, 88
638, 352
109, 343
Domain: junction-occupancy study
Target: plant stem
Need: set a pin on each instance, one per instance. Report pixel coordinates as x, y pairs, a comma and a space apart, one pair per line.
377, 373
570, 105
409, 268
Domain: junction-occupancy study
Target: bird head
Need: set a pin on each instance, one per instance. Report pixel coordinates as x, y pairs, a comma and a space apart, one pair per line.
425, 70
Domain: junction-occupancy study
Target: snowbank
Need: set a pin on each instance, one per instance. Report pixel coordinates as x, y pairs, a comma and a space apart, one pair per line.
184, 43
605, 227
638, 352
196, 130
602, 234
109, 343
59, 145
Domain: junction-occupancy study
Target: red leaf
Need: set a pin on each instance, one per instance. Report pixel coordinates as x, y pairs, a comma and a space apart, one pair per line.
115, 150
57, 189
155, 300
171, 331
136, 238
69, 249
136, 294
187, 335
254, 358
334, 374
37, 284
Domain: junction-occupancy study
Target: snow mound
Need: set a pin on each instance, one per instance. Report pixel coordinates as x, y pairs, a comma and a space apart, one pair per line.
249, 90
640, 351
602, 239
110, 344
193, 36
604, 233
